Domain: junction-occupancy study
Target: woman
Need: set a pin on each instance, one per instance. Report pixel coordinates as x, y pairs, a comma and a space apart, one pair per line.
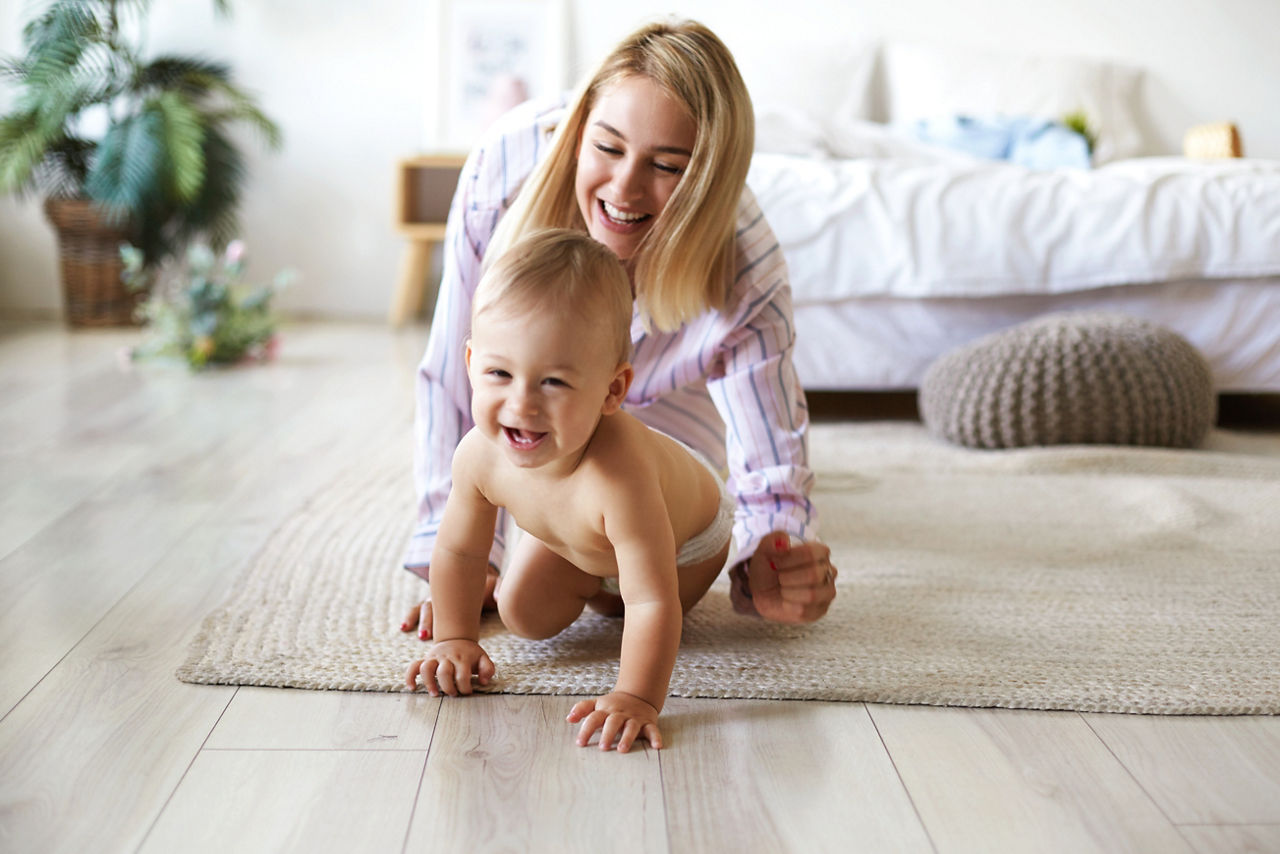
651, 160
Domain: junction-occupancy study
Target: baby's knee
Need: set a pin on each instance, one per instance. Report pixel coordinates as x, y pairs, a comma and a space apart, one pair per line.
523, 622
529, 630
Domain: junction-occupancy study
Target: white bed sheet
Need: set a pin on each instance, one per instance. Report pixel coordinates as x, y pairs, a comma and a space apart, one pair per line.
885, 343
926, 226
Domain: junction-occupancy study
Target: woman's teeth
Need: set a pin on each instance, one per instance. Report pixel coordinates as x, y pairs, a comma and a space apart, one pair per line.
620, 215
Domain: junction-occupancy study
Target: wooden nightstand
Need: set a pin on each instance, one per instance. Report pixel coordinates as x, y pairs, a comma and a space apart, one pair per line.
424, 190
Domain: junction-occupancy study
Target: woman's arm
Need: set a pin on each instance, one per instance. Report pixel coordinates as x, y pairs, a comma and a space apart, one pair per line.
755, 389
780, 571
490, 179
443, 411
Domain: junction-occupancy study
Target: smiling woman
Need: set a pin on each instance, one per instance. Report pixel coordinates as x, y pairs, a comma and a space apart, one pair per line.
624, 181
650, 159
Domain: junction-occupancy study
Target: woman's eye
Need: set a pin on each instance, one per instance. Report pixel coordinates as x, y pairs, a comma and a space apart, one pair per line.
605, 149
669, 169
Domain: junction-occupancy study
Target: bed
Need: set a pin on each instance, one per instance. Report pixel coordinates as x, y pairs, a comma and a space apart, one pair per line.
899, 250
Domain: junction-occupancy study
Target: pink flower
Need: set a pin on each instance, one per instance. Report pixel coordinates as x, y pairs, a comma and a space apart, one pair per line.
235, 251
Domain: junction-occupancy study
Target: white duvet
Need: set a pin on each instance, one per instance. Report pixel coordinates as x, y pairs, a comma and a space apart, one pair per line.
954, 226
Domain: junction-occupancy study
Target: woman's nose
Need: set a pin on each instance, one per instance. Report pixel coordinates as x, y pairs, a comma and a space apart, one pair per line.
626, 182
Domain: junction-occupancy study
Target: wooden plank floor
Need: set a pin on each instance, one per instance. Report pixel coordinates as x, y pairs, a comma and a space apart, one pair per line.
131, 499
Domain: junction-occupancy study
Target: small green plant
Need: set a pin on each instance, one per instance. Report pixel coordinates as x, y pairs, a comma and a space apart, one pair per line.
203, 311
1079, 122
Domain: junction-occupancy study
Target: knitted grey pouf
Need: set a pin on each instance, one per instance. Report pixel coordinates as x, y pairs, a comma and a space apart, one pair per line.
1075, 378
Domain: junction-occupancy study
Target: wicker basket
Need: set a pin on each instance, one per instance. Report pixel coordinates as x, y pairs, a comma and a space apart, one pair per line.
91, 267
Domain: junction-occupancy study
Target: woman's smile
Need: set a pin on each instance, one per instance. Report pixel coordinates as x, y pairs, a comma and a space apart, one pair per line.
619, 217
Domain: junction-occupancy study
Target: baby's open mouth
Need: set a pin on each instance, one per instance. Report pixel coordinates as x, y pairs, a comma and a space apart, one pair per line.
523, 439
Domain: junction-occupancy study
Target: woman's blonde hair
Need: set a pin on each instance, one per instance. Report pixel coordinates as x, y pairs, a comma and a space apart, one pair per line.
563, 271
685, 263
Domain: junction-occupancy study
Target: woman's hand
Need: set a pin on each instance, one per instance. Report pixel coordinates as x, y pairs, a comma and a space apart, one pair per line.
788, 582
617, 715
419, 616
449, 666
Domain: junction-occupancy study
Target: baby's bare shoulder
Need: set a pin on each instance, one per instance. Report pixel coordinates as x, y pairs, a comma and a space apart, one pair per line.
623, 444
472, 448
472, 459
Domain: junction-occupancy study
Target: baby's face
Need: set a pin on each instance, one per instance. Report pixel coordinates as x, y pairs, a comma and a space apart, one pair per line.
539, 384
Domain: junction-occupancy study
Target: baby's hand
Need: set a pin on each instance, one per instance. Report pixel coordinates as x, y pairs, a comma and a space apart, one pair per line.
617, 715
449, 666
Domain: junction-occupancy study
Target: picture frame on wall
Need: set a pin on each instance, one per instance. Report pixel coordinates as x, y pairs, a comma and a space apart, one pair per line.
491, 55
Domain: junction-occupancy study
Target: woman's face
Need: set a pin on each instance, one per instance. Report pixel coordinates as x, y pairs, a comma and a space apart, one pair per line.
632, 152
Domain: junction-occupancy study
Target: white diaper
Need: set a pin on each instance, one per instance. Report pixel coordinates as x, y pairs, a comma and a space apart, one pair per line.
706, 545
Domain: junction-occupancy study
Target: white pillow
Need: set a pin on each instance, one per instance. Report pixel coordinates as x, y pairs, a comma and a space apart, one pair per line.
924, 82
856, 140
810, 87
790, 132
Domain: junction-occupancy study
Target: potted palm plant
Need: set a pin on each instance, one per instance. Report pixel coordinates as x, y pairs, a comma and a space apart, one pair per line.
164, 172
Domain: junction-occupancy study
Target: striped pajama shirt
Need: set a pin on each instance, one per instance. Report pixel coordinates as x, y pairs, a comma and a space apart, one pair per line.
723, 383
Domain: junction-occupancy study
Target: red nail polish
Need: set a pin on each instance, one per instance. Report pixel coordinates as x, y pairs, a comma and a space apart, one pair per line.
404, 627
423, 634
773, 566
780, 544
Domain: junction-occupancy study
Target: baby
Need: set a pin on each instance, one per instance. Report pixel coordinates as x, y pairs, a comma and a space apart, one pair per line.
615, 515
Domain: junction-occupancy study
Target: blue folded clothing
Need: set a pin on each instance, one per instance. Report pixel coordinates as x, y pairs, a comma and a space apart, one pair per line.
1034, 143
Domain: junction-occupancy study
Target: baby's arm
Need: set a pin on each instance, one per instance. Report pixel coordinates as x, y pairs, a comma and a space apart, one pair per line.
459, 563
649, 585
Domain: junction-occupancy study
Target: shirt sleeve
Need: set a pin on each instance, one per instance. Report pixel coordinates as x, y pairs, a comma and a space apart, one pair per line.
490, 179
757, 393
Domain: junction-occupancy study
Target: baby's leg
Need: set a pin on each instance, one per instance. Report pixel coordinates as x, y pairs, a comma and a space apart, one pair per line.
541, 592
696, 579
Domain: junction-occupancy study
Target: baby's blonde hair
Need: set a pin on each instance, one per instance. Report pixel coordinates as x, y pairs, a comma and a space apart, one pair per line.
685, 263
564, 271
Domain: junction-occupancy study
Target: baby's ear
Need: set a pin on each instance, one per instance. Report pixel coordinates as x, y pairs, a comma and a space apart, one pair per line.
467, 353
618, 386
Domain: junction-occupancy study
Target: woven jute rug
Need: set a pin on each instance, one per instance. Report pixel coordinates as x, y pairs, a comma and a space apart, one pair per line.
1088, 578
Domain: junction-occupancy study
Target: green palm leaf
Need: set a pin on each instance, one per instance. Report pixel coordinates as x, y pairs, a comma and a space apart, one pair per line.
214, 212
65, 167
65, 24
204, 79
168, 72
12, 69
183, 141
22, 147
126, 172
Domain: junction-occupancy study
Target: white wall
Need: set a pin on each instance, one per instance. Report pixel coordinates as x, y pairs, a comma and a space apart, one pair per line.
348, 81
